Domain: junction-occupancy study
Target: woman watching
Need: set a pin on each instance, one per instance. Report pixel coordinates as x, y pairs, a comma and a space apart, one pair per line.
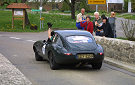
106, 28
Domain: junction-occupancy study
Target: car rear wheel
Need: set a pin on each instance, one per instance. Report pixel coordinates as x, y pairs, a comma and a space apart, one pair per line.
38, 57
53, 64
97, 66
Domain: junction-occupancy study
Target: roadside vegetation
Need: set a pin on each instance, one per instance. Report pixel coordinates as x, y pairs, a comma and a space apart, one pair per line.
128, 29
127, 16
59, 22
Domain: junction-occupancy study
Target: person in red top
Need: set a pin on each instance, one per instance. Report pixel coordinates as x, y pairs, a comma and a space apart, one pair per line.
88, 25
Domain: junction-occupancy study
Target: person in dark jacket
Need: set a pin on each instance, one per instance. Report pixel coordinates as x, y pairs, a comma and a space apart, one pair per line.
106, 29
88, 25
111, 20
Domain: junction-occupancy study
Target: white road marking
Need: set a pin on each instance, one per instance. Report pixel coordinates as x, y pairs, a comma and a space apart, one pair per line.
15, 38
20, 38
30, 40
12, 37
14, 55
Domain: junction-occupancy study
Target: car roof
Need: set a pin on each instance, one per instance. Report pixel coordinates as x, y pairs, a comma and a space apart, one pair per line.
65, 33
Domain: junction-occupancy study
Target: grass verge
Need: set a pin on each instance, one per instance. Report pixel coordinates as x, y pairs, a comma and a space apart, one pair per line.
59, 22
128, 16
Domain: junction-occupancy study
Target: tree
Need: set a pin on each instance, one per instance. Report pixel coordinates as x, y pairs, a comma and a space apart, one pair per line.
53, 4
27, 22
126, 5
65, 6
83, 4
16, 1
4, 2
72, 7
44, 1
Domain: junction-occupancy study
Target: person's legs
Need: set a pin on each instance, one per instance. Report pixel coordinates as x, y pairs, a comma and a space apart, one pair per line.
115, 34
78, 26
98, 33
83, 27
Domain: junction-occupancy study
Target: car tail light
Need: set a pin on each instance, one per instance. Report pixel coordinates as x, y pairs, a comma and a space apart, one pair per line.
68, 53
101, 53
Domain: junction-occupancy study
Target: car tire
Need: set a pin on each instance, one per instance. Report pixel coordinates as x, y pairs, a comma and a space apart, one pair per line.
38, 57
97, 66
53, 64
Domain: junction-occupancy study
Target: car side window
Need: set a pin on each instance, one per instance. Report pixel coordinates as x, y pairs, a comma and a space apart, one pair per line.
58, 41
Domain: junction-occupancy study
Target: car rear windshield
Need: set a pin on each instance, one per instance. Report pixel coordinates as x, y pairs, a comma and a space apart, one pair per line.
79, 39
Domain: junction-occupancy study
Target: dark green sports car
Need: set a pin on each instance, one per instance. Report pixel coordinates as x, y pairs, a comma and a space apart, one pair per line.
69, 47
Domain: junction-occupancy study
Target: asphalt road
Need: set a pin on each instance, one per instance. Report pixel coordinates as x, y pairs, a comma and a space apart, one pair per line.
17, 47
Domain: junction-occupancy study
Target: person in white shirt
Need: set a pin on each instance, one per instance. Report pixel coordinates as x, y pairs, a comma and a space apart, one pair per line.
81, 17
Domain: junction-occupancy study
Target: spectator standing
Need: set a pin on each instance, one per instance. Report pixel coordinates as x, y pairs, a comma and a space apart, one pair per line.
97, 21
88, 25
111, 20
106, 28
81, 18
100, 31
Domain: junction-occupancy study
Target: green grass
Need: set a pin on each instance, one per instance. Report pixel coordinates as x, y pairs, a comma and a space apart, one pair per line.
59, 22
122, 38
55, 11
131, 39
128, 16
90, 13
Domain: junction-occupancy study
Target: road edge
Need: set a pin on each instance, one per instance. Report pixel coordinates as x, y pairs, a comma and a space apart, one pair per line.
10, 75
120, 64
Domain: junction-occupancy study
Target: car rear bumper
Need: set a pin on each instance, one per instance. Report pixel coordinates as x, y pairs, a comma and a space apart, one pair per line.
73, 59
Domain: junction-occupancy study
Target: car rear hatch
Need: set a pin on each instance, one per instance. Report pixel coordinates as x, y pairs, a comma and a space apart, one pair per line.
83, 46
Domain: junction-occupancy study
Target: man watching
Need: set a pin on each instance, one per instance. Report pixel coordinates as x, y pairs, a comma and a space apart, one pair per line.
81, 18
96, 23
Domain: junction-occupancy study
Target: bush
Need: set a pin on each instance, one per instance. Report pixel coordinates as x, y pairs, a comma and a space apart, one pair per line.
128, 29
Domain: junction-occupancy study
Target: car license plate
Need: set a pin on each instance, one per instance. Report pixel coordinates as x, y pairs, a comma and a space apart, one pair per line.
85, 56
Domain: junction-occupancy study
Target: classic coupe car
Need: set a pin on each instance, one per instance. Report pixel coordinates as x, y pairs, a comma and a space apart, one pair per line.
70, 47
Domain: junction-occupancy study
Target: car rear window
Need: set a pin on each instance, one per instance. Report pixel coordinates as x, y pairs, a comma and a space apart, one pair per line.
79, 39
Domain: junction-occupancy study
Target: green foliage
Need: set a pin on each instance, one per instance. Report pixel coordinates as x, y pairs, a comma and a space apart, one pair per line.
59, 22
4, 3
83, 4
122, 38
126, 5
55, 11
65, 6
133, 6
128, 16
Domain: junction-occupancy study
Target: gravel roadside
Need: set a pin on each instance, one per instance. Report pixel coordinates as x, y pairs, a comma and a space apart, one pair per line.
10, 75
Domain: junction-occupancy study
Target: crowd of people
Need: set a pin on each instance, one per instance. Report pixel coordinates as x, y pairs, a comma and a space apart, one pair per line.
101, 26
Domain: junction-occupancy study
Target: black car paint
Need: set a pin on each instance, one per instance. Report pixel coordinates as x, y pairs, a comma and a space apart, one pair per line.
59, 50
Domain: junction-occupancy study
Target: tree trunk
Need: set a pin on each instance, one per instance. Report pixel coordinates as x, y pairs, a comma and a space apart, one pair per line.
15, 1
27, 21
23, 1
73, 9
